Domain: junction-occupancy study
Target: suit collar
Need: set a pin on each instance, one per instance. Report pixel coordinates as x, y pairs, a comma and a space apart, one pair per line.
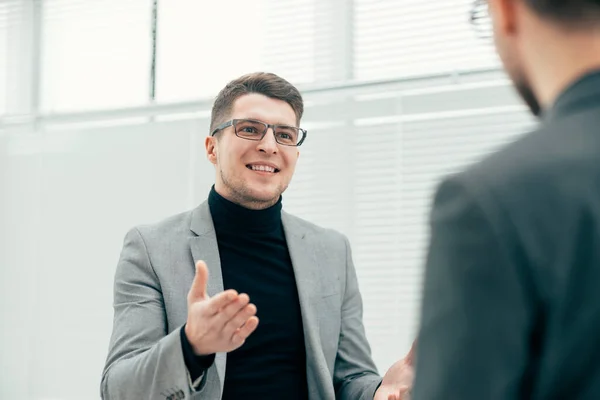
580, 95
302, 253
202, 222
204, 247
308, 268
302, 248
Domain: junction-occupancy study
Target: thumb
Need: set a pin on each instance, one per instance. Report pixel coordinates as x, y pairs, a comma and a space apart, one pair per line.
410, 357
198, 290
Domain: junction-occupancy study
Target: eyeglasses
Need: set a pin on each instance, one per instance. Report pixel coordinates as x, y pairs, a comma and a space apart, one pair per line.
251, 129
480, 19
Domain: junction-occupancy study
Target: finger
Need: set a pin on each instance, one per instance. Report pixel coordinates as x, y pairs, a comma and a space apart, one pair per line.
410, 357
230, 310
198, 290
404, 393
393, 396
240, 336
219, 301
239, 320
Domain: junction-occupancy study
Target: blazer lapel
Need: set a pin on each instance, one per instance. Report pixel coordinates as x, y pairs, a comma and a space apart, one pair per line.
306, 270
204, 247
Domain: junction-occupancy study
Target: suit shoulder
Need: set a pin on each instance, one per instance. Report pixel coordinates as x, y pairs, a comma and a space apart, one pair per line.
513, 159
174, 225
314, 229
545, 158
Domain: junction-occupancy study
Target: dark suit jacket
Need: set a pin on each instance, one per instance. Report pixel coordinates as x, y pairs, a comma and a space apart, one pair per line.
511, 306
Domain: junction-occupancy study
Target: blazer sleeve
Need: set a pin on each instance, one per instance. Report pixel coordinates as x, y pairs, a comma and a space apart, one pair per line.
355, 374
144, 361
477, 318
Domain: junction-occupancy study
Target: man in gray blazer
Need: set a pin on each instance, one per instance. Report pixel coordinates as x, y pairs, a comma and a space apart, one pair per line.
511, 308
182, 332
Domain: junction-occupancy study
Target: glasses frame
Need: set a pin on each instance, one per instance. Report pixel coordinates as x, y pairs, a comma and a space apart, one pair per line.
480, 20
273, 127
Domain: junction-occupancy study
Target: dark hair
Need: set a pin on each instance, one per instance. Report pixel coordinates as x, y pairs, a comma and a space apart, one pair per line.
573, 13
264, 83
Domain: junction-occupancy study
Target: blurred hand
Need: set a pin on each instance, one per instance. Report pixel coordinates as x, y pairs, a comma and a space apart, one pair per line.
397, 381
218, 324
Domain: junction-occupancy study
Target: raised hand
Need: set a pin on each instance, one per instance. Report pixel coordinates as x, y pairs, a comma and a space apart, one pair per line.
397, 382
218, 324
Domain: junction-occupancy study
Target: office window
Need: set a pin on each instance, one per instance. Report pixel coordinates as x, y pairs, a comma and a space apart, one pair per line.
11, 56
416, 38
95, 54
369, 168
201, 48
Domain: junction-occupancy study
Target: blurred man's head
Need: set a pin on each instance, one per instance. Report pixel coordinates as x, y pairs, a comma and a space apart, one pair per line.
255, 161
544, 44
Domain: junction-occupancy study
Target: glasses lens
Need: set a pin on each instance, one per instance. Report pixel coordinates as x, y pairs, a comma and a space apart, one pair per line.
249, 129
288, 135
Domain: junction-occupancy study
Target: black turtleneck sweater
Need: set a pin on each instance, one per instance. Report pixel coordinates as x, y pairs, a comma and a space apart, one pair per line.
255, 260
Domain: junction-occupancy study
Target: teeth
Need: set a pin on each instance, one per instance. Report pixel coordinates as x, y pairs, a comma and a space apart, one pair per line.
262, 168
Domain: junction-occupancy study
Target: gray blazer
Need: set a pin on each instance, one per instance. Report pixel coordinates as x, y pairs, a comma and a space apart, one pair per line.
154, 274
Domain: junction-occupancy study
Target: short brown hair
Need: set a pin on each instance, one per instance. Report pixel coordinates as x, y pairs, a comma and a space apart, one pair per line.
571, 13
264, 83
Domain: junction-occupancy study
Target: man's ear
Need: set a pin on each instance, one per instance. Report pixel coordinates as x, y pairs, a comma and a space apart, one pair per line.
504, 15
211, 149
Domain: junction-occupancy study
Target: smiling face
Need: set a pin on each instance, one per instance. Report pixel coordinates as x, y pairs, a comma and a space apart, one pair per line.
250, 173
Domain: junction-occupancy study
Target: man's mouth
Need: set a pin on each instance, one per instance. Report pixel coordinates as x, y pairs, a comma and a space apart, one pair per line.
262, 168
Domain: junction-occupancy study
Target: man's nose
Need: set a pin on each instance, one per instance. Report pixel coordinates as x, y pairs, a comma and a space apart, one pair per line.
268, 144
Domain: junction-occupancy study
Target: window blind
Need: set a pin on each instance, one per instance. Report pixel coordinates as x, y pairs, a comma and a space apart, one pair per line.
416, 37
11, 23
371, 174
201, 48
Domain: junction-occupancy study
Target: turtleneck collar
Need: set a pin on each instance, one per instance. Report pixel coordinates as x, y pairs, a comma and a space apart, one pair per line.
228, 216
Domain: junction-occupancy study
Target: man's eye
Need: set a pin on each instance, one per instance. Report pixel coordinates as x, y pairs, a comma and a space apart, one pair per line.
249, 129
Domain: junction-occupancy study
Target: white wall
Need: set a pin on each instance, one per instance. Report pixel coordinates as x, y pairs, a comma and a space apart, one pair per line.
67, 199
